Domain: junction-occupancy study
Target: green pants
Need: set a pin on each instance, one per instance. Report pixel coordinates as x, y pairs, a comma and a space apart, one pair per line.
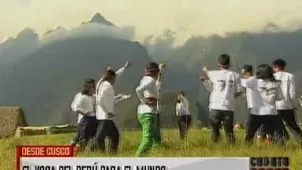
156, 130
147, 124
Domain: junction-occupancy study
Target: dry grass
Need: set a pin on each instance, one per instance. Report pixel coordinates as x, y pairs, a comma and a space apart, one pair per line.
198, 145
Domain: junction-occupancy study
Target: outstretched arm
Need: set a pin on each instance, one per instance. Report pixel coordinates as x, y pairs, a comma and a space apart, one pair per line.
120, 97
205, 80
120, 71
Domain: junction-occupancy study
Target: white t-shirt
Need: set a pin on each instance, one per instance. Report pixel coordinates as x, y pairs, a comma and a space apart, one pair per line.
182, 108
249, 93
265, 95
288, 89
226, 84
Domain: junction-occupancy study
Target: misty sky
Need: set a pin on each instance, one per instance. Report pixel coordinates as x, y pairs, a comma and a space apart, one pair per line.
185, 17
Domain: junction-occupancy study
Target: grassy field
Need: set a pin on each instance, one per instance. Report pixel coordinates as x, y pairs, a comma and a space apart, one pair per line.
197, 145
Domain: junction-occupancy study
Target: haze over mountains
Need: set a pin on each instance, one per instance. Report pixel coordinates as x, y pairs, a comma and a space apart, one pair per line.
42, 73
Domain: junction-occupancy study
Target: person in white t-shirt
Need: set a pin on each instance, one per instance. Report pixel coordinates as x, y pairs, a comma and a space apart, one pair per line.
225, 87
247, 72
84, 105
183, 114
286, 107
266, 91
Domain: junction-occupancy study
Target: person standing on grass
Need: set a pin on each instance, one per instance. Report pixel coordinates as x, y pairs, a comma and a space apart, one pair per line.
119, 72
266, 92
183, 115
84, 105
105, 113
148, 94
286, 107
225, 87
75, 140
157, 134
247, 73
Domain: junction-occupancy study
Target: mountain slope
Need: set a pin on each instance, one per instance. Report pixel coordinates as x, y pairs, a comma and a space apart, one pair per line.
45, 82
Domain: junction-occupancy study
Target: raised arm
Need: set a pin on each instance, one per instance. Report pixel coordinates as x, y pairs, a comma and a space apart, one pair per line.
206, 80
121, 70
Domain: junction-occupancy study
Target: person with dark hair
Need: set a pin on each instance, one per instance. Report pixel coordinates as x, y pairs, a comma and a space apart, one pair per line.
84, 105
286, 107
148, 94
226, 86
266, 91
247, 72
105, 113
183, 115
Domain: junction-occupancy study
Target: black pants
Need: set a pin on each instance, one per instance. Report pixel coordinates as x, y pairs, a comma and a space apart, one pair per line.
270, 122
86, 130
106, 128
288, 116
184, 123
221, 116
76, 138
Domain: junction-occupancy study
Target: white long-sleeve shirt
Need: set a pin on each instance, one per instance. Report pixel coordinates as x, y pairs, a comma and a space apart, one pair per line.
182, 108
226, 84
148, 88
106, 100
73, 107
288, 89
84, 104
265, 95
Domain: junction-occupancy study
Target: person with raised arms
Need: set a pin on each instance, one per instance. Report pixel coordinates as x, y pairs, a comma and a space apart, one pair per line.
105, 113
119, 72
266, 92
225, 87
148, 94
247, 73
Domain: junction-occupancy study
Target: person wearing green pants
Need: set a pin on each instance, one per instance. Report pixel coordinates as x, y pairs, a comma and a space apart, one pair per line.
148, 94
156, 130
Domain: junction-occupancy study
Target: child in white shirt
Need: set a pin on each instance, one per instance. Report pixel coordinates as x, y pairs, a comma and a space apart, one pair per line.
286, 107
266, 91
225, 87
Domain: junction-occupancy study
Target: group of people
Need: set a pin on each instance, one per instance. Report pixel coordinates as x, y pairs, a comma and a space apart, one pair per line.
271, 100
270, 94
95, 105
